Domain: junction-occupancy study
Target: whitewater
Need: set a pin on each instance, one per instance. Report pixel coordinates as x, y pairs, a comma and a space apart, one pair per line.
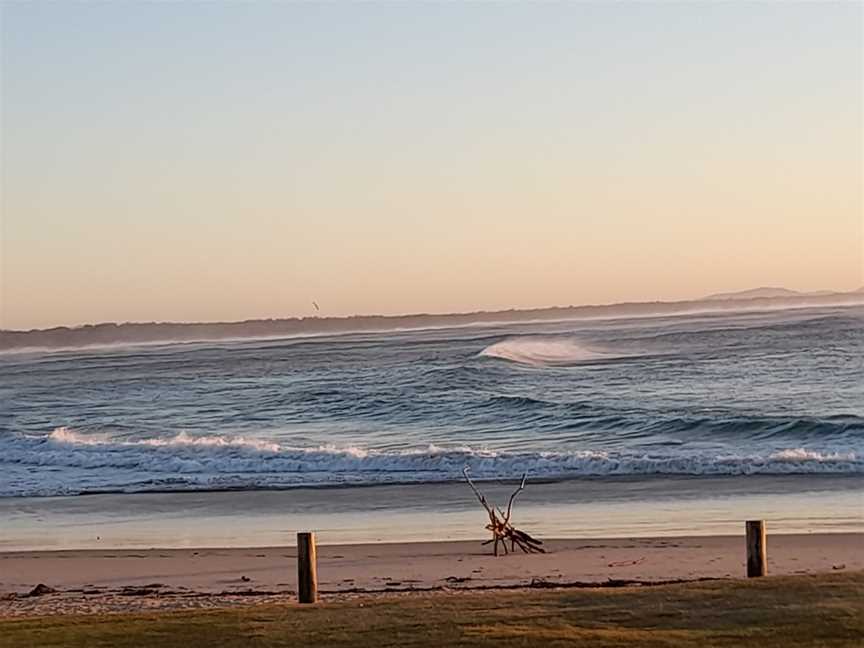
705, 394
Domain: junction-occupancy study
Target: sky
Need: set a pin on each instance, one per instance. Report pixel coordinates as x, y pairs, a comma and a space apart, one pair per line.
213, 161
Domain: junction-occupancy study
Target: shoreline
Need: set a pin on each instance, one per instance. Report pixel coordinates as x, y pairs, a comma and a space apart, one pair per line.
537, 480
589, 508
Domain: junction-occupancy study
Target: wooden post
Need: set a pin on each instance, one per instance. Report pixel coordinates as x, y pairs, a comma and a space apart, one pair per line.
757, 551
307, 568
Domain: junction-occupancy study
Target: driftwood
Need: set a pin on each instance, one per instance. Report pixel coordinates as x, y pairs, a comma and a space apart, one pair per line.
499, 523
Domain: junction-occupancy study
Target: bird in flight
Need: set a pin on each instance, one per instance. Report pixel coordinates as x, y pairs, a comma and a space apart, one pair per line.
315, 304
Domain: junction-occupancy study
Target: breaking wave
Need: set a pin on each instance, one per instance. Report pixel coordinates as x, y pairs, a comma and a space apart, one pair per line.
64, 435
547, 351
184, 462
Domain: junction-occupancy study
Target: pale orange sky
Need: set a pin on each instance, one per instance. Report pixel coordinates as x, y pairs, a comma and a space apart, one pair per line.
230, 161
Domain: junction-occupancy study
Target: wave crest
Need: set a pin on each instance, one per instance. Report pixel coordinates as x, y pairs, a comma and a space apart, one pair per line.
547, 351
68, 436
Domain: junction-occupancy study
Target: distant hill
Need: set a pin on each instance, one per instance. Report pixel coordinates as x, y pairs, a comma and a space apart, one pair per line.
164, 332
770, 293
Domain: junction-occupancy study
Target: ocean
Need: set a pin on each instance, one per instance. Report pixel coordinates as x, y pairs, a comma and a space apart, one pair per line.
729, 394
753, 395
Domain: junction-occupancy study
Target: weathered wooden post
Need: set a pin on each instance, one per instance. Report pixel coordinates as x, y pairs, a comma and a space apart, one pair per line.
307, 568
757, 551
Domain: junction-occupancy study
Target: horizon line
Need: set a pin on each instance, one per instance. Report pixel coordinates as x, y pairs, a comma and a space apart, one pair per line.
741, 295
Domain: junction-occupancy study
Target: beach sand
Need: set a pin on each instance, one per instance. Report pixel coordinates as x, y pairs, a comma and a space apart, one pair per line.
127, 580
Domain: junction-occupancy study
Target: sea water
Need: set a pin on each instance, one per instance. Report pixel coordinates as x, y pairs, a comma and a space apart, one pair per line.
745, 393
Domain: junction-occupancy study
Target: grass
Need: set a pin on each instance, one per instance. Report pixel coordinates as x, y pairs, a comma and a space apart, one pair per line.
825, 610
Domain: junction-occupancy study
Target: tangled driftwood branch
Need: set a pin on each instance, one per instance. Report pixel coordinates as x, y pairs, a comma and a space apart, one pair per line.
499, 523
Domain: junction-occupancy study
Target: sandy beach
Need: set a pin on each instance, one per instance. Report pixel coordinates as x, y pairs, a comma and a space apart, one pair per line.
126, 580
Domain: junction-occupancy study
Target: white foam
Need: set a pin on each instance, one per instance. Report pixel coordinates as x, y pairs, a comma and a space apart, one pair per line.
70, 462
547, 351
797, 455
68, 435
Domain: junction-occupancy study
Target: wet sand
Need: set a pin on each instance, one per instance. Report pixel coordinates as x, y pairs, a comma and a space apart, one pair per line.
617, 507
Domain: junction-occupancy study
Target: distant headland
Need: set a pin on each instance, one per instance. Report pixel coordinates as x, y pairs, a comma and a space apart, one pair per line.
156, 332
